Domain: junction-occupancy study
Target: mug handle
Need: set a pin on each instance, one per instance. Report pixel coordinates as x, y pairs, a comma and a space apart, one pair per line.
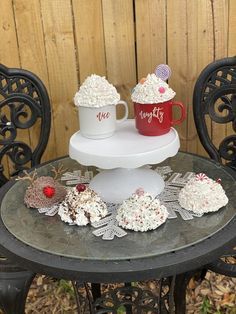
183, 112
126, 111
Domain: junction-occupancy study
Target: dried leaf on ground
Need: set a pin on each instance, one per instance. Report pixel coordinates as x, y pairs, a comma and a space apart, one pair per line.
217, 293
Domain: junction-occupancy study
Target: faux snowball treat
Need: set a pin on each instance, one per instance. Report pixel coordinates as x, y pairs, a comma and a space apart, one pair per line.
97, 100
82, 206
153, 102
44, 192
141, 212
202, 195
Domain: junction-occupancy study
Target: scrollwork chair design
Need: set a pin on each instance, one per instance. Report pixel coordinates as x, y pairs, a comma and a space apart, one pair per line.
24, 107
215, 96
214, 101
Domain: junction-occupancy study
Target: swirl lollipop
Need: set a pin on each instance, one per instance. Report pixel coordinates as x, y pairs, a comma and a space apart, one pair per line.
163, 71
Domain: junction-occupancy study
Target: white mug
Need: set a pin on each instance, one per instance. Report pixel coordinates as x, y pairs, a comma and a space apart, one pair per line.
98, 123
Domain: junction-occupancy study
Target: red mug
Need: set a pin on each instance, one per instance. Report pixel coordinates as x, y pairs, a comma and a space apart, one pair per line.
156, 119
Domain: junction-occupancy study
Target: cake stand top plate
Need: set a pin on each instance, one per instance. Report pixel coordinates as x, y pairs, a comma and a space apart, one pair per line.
125, 149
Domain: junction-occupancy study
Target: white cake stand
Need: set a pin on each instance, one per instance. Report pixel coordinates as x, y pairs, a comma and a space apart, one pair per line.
123, 156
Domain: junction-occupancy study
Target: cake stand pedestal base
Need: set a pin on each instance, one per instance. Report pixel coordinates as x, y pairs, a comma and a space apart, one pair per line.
116, 185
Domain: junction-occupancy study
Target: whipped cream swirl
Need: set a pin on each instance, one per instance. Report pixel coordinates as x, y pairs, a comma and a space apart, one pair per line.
152, 90
141, 213
96, 92
202, 195
81, 208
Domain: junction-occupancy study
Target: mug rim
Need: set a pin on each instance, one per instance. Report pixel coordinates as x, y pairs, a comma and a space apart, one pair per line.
154, 104
91, 107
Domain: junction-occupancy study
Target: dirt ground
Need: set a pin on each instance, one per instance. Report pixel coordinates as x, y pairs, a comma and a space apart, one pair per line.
216, 294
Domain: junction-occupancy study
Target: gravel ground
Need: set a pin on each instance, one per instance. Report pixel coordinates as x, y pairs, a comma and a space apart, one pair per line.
216, 294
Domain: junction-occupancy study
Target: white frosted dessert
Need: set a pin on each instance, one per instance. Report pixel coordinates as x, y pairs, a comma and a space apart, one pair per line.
141, 212
152, 90
96, 92
202, 195
82, 206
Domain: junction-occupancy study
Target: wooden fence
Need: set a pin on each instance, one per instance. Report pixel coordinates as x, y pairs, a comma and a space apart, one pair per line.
64, 41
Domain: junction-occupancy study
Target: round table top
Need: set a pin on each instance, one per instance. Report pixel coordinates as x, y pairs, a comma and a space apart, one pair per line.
125, 149
47, 245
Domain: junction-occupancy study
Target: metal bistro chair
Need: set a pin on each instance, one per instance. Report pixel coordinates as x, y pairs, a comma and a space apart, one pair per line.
214, 100
216, 88
24, 102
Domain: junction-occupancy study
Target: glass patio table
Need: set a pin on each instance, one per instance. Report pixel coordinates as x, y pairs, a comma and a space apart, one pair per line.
48, 246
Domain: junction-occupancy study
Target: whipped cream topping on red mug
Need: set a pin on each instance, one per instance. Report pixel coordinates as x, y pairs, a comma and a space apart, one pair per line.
152, 90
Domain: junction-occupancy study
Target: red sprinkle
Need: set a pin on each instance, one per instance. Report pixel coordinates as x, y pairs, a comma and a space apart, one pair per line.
218, 181
49, 191
162, 89
143, 80
80, 187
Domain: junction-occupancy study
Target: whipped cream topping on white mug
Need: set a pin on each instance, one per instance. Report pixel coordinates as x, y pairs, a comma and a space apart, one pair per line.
152, 90
96, 92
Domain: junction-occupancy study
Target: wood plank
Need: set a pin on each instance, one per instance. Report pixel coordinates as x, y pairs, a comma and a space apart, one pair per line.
33, 57
61, 62
220, 21
232, 28
200, 53
125, 92
197, 34
192, 66
177, 29
150, 17
8, 49
90, 46
205, 51
231, 44
9, 56
118, 18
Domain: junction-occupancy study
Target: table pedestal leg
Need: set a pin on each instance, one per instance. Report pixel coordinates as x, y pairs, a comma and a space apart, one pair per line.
129, 298
96, 290
14, 287
128, 307
116, 185
75, 285
181, 283
92, 293
134, 299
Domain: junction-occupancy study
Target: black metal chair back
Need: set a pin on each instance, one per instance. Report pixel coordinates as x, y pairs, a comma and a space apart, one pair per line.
24, 102
24, 107
215, 96
214, 99
217, 85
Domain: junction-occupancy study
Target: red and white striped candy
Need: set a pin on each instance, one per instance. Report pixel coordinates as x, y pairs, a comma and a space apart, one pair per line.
201, 176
